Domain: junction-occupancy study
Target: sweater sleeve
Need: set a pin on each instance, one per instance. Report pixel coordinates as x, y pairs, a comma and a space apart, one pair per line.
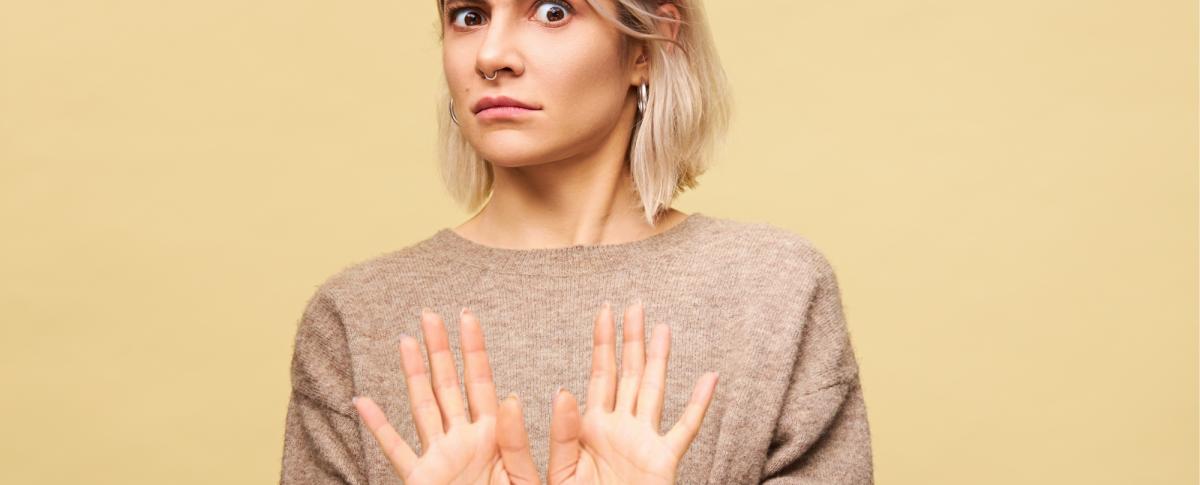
321, 442
822, 435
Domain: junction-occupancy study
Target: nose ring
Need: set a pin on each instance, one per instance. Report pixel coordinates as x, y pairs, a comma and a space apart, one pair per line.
494, 74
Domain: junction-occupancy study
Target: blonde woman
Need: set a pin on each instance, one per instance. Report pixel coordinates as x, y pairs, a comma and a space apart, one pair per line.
570, 126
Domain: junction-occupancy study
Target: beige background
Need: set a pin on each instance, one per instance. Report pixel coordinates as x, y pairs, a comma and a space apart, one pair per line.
1007, 190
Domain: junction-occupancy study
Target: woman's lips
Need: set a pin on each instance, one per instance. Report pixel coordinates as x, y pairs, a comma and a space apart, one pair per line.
503, 113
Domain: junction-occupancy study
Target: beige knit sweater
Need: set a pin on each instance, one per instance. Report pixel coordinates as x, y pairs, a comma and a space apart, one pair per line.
755, 302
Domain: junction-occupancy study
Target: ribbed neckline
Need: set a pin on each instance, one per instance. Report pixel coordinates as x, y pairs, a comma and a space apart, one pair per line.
569, 260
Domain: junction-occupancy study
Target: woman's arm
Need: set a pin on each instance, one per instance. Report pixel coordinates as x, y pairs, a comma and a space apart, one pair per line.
321, 439
822, 435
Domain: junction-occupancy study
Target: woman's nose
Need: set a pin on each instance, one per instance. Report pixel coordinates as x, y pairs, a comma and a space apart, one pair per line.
499, 49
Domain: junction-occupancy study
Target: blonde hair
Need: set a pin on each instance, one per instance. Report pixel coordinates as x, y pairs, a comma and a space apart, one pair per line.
687, 111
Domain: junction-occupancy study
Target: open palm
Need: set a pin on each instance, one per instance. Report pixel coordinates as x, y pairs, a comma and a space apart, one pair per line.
616, 441
489, 449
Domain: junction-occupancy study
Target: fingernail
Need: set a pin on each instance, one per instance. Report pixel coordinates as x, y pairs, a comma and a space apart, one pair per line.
464, 312
425, 311
637, 302
354, 400
607, 305
554, 397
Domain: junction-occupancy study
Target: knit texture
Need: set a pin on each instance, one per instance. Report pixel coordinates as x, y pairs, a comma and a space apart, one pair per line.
755, 302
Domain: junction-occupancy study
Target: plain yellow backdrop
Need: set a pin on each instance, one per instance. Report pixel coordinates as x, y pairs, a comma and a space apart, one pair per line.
1007, 190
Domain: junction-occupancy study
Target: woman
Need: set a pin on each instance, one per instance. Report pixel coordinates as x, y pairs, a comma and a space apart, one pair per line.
574, 124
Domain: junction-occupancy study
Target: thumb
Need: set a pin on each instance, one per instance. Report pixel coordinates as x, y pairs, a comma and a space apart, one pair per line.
513, 442
564, 437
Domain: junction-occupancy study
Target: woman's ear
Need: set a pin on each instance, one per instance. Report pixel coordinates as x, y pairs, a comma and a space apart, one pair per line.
668, 29
641, 64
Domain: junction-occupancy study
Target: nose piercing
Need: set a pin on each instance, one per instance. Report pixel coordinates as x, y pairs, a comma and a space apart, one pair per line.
494, 74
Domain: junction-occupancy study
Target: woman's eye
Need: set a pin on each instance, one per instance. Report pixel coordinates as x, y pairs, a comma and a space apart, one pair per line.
552, 12
468, 16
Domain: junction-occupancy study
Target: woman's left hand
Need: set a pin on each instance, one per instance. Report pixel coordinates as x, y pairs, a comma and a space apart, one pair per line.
617, 440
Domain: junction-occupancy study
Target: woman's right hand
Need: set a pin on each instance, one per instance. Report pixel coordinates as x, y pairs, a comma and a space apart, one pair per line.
617, 441
492, 448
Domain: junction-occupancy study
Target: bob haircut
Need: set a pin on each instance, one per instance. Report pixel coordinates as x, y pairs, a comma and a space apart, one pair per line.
673, 140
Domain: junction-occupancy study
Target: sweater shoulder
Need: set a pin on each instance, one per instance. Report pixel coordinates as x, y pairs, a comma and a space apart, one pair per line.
381, 271
768, 248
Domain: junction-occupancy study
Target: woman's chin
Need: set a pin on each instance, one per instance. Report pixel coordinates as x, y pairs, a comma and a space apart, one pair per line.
509, 161
513, 154
507, 140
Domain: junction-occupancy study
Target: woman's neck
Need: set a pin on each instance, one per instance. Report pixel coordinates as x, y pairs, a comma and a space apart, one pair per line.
558, 205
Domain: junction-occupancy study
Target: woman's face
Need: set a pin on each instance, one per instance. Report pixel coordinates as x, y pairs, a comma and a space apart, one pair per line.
558, 57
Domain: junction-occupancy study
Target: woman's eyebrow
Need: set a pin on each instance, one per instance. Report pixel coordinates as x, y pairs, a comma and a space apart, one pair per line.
475, 3
485, 3
449, 4
480, 3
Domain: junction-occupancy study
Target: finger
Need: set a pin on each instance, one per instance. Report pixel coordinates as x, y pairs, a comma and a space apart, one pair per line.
603, 384
445, 373
513, 440
426, 417
481, 390
564, 437
681, 435
394, 447
654, 380
633, 358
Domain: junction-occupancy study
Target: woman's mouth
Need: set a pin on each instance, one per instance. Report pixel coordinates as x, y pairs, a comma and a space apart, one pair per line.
494, 108
503, 113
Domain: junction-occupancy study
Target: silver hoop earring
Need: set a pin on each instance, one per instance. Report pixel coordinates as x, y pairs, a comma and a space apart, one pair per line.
643, 96
452, 117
